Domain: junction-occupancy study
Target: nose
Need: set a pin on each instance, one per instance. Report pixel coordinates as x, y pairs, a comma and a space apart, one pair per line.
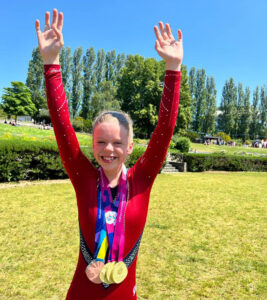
109, 147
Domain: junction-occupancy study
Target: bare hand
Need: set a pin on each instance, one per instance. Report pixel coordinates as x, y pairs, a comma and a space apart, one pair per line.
168, 48
51, 39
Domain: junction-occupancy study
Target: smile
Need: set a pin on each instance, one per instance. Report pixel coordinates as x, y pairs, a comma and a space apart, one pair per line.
108, 158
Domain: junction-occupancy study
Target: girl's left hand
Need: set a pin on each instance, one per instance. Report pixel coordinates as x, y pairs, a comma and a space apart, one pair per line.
168, 48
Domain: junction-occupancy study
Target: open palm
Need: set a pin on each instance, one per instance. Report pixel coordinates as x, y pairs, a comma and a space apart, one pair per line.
51, 39
167, 47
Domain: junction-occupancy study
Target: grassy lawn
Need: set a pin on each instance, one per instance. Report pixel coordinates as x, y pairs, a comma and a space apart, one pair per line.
228, 149
26, 133
204, 239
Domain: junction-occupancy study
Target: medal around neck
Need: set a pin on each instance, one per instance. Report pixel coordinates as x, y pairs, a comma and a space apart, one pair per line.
115, 271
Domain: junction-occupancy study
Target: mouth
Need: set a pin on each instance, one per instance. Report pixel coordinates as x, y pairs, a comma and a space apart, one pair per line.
108, 159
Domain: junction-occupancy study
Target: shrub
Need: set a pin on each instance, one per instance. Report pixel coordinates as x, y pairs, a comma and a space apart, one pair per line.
192, 135
224, 136
182, 144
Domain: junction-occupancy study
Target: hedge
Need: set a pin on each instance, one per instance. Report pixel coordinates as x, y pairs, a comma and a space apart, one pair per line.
25, 160
225, 162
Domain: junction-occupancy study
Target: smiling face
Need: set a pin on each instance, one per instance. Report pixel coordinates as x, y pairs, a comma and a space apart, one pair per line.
111, 145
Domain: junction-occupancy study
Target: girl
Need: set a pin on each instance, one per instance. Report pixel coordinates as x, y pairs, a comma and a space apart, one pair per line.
112, 201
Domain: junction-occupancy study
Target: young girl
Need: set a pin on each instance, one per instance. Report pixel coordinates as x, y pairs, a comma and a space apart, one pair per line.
112, 201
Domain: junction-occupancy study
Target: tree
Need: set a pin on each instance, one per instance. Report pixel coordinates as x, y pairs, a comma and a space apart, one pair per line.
66, 65
104, 99
99, 67
184, 115
200, 99
263, 112
210, 113
110, 66
240, 110
255, 115
140, 89
192, 87
17, 100
120, 61
77, 68
228, 108
35, 80
89, 81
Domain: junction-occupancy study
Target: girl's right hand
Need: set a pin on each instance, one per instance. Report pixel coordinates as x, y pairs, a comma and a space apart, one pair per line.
51, 39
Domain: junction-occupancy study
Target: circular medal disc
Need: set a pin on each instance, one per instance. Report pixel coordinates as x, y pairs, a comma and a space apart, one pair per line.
109, 272
119, 272
102, 274
93, 271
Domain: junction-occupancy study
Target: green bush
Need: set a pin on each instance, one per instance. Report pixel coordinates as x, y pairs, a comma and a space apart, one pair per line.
205, 162
26, 160
182, 144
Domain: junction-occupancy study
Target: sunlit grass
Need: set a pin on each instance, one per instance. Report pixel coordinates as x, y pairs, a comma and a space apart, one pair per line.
228, 149
204, 238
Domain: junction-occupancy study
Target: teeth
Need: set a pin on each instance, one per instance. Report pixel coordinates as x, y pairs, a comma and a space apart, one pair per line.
108, 158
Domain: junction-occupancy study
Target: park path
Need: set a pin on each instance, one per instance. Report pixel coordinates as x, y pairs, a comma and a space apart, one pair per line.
37, 182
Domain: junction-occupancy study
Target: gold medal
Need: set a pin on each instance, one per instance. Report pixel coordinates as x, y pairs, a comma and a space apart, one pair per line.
109, 270
102, 275
119, 272
93, 270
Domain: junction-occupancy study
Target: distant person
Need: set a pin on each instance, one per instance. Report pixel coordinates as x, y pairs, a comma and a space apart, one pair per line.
112, 201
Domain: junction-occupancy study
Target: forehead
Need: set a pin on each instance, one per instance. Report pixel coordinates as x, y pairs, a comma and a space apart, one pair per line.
110, 130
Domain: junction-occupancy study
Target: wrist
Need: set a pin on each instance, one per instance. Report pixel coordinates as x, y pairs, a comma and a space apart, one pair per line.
51, 61
173, 66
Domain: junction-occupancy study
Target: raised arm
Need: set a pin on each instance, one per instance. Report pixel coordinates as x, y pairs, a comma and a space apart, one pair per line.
50, 44
171, 51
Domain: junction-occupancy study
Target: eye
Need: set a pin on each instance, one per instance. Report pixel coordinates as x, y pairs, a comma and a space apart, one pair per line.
101, 142
118, 143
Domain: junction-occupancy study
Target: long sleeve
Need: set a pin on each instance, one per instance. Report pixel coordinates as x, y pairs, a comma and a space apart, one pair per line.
151, 161
73, 159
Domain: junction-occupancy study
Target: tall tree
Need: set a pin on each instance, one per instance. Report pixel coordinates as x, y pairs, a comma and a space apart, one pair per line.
99, 67
139, 89
192, 87
211, 107
89, 81
110, 66
228, 107
120, 62
66, 65
263, 112
200, 98
17, 100
184, 115
255, 115
104, 99
240, 111
35, 80
77, 67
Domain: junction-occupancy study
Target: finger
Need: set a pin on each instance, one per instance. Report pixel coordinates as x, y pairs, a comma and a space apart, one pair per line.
158, 48
58, 34
37, 27
54, 21
60, 21
169, 32
162, 30
180, 35
158, 35
47, 21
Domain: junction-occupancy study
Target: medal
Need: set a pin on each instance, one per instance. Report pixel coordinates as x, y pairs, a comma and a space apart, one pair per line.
93, 271
119, 272
110, 233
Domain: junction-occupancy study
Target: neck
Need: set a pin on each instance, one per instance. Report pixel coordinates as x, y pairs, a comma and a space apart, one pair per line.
113, 176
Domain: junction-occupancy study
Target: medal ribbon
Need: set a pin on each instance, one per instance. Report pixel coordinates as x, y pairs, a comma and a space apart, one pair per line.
109, 228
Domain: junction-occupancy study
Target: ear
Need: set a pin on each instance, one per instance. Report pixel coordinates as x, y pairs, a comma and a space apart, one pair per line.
130, 148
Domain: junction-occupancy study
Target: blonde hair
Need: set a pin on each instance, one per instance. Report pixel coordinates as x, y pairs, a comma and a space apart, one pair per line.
123, 119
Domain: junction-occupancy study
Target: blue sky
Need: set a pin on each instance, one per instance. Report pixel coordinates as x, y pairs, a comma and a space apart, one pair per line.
227, 38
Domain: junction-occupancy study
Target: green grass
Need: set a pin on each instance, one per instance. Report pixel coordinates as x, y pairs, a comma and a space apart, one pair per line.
228, 150
204, 239
8, 132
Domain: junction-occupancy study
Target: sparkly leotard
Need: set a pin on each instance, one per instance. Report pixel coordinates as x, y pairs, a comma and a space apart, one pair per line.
84, 177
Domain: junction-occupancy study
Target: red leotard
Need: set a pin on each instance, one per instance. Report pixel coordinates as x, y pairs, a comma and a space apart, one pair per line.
84, 176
